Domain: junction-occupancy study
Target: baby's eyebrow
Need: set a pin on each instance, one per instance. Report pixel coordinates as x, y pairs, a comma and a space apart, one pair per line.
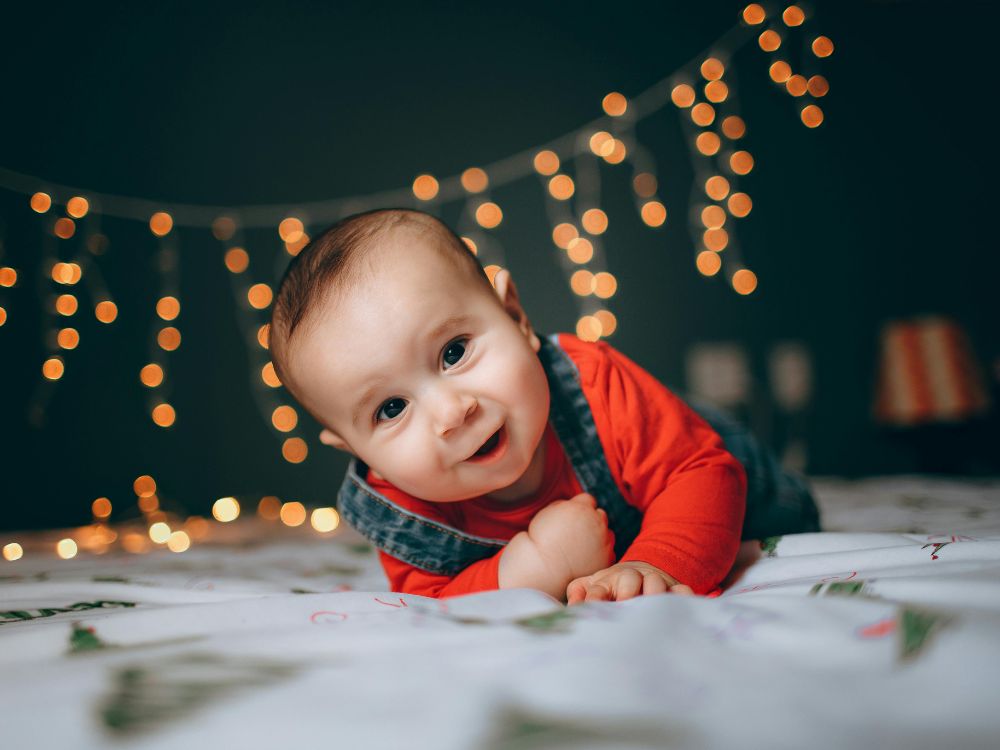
437, 331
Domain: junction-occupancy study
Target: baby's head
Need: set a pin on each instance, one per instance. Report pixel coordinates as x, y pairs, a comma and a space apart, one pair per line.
387, 330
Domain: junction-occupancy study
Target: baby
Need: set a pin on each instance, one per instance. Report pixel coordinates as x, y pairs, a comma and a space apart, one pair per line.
486, 456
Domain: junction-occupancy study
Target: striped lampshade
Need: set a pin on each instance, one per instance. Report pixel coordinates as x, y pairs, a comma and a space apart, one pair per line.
928, 373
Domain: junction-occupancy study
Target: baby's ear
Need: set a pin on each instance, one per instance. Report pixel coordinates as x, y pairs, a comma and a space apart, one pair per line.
331, 438
503, 283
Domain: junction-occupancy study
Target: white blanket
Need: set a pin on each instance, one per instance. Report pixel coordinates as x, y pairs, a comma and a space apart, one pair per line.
882, 632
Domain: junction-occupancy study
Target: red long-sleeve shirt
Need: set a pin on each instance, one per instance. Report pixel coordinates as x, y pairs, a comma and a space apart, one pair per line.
665, 459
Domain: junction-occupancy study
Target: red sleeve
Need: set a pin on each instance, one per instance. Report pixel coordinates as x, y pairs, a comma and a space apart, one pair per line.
673, 467
407, 579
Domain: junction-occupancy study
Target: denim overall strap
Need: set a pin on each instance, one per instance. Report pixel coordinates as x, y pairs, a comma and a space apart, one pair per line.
574, 424
408, 536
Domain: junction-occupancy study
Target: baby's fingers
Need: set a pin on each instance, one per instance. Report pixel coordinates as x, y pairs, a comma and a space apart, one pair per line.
576, 592
628, 584
680, 588
653, 584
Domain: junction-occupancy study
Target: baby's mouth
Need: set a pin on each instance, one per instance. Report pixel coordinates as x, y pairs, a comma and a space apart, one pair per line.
489, 444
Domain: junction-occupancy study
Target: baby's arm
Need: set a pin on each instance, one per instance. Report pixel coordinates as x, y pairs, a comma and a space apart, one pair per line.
565, 540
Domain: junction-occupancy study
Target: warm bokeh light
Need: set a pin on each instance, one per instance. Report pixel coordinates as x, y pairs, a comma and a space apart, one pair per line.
101, 507
744, 281
161, 223
796, 85
475, 180
293, 513
605, 284
3, 316
682, 95
259, 296
582, 282
812, 116
713, 217
269, 508
588, 328
780, 71
618, 152
12, 552
66, 304
754, 14
164, 415
53, 368
425, 187
708, 143
8, 276
264, 336
818, 86
291, 229
324, 520
64, 228
106, 311
491, 271
717, 187
159, 532
615, 104
144, 486
546, 162
223, 228
602, 143
741, 162
295, 247
168, 338
653, 213
149, 504
134, 543
178, 541
716, 91
561, 187
822, 46
77, 206
563, 234
580, 250
471, 244
68, 338
703, 114
66, 273
607, 320
740, 205
269, 376
294, 450
66, 548
284, 418
168, 308
793, 16
226, 509
595, 221
715, 240
708, 263
733, 127
237, 259
197, 527
769, 40
97, 243
489, 215
41, 202
644, 184
712, 69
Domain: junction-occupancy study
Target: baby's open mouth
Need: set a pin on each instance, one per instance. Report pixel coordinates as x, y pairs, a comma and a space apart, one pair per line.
489, 444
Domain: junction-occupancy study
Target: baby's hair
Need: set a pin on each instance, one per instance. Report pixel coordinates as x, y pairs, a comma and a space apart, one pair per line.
331, 261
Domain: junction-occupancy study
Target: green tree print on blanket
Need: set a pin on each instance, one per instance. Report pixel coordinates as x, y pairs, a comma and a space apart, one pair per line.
146, 695
769, 546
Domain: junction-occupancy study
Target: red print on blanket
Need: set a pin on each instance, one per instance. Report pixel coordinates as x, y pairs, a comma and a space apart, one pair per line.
938, 545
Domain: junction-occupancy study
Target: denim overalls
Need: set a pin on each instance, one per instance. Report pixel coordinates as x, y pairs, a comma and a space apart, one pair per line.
777, 502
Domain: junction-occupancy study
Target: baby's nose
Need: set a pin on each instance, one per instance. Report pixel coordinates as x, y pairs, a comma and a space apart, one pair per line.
452, 411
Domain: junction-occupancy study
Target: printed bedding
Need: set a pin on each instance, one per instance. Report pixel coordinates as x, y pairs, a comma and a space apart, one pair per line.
883, 631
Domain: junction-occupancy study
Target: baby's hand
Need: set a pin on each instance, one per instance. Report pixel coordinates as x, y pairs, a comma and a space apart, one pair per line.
573, 536
621, 581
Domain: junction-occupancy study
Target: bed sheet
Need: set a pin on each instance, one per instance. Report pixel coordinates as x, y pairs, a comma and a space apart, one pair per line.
883, 631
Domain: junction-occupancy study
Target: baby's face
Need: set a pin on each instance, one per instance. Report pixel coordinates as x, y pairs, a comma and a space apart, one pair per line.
421, 373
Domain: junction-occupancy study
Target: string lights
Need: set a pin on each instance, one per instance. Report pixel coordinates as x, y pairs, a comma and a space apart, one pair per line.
702, 92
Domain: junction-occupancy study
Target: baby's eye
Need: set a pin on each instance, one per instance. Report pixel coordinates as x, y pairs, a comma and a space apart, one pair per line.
390, 409
454, 352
